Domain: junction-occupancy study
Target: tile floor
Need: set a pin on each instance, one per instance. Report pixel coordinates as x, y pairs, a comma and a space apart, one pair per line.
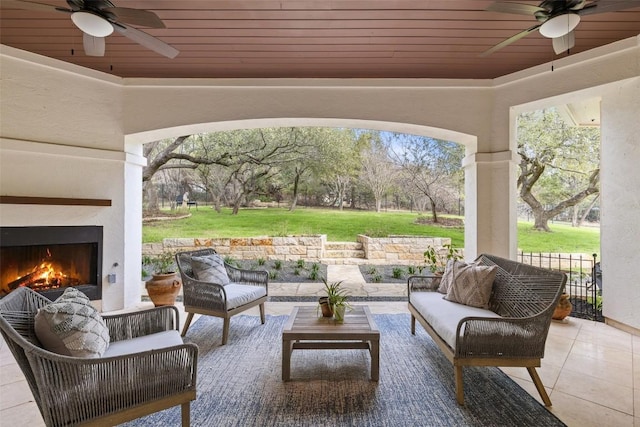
591, 370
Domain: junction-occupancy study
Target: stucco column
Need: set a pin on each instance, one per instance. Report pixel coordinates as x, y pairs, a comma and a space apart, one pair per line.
620, 203
490, 204
133, 224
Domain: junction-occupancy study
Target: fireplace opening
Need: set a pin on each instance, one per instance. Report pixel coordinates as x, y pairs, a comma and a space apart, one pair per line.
49, 259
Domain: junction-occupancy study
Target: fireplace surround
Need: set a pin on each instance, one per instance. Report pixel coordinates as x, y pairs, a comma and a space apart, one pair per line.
50, 258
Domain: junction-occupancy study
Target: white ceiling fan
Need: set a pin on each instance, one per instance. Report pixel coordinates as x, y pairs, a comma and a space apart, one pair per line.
98, 19
556, 18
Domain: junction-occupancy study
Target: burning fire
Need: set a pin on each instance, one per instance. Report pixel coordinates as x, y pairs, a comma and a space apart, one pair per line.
45, 275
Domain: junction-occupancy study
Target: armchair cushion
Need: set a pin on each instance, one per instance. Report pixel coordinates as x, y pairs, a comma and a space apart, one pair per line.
239, 295
471, 285
142, 343
72, 326
210, 268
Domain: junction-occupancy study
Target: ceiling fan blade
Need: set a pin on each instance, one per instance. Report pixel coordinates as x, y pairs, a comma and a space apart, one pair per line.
516, 8
93, 46
29, 5
144, 18
147, 40
604, 6
510, 40
564, 43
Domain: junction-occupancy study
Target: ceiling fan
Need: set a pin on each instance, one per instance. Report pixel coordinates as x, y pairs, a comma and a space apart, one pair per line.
556, 18
99, 18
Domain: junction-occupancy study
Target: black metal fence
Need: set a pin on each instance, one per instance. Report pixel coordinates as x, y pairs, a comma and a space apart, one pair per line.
584, 280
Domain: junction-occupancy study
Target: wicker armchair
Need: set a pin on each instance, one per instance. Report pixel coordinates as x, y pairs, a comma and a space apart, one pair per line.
247, 289
512, 332
101, 391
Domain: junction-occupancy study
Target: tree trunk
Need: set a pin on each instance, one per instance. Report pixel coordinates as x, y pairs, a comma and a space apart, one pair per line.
586, 212
378, 204
540, 221
294, 199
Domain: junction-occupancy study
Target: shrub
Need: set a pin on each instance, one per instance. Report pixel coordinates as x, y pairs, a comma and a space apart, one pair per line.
277, 265
398, 273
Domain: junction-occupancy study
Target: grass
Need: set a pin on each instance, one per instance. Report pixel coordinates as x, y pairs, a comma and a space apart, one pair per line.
338, 226
563, 238
346, 225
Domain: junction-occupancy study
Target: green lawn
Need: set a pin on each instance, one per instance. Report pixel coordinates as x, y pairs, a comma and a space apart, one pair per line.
346, 225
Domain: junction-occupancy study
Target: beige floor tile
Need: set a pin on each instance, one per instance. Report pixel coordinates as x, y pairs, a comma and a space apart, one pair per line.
26, 414
576, 412
606, 336
595, 390
548, 374
619, 373
568, 328
599, 351
636, 372
557, 349
15, 394
530, 388
11, 373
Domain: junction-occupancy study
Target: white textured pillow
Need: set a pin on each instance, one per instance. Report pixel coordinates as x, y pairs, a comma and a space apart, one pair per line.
72, 326
447, 277
472, 284
210, 268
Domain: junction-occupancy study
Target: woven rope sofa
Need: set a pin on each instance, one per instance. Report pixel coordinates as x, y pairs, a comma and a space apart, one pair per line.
512, 331
146, 368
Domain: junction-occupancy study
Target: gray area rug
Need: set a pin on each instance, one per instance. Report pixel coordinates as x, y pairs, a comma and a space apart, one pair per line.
240, 384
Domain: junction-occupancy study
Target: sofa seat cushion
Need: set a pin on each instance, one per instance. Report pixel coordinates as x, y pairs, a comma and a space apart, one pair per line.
443, 315
155, 341
239, 295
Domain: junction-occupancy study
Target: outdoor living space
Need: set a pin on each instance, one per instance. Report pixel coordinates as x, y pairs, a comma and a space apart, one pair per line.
88, 172
590, 370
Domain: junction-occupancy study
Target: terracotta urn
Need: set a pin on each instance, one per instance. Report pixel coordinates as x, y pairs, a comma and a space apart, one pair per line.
563, 309
163, 288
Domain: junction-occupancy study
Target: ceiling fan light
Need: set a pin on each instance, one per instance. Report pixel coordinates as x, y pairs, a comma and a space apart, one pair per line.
560, 25
92, 24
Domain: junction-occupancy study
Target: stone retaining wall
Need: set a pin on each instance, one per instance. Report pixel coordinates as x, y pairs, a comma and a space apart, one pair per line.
289, 248
399, 249
407, 250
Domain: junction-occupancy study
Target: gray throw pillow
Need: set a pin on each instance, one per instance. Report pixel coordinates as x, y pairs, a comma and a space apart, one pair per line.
472, 284
72, 326
210, 268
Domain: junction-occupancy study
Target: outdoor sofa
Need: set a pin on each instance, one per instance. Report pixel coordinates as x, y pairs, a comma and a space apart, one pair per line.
509, 330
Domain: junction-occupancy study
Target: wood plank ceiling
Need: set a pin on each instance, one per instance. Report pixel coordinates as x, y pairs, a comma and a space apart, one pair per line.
314, 38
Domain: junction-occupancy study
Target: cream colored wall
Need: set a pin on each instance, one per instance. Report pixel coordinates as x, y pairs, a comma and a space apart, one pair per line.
48, 111
478, 114
620, 203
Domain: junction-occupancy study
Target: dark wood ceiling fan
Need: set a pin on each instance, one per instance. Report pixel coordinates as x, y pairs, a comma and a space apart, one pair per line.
97, 19
556, 18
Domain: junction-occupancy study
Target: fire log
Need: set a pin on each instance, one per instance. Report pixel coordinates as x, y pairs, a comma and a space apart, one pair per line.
29, 279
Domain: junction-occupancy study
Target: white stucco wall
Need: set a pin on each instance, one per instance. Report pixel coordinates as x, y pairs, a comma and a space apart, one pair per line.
52, 104
620, 204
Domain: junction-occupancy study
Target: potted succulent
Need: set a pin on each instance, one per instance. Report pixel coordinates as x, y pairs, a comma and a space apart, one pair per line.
437, 258
335, 300
164, 285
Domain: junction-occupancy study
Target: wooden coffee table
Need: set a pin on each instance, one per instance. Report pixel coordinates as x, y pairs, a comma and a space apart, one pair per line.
306, 331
